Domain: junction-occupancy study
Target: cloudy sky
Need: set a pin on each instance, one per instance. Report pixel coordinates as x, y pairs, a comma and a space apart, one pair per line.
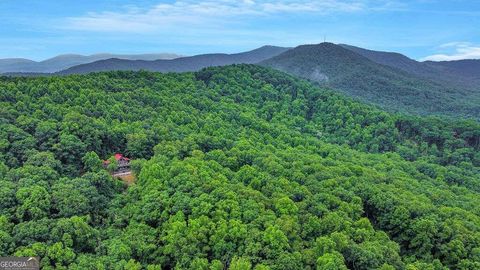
421, 29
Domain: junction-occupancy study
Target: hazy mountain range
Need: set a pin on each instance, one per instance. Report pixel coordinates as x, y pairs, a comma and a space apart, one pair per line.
64, 61
390, 80
182, 64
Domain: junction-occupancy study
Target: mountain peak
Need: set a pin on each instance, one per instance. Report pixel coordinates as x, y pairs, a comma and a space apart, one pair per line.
324, 47
321, 45
382, 78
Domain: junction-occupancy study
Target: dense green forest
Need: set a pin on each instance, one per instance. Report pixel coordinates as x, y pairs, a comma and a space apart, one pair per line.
238, 167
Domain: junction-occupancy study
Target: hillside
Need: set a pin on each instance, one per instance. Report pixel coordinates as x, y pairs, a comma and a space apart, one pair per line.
238, 167
61, 62
391, 87
460, 74
465, 68
192, 63
393, 59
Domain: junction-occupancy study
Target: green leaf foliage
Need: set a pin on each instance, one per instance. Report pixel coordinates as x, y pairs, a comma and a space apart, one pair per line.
237, 167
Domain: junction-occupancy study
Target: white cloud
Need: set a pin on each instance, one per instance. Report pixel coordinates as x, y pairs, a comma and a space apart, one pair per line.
207, 13
454, 44
461, 50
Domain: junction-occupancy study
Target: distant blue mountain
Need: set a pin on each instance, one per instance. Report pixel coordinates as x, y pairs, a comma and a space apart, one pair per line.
182, 64
61, 62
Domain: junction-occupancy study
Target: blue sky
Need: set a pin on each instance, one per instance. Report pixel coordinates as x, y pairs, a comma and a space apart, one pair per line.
421, 29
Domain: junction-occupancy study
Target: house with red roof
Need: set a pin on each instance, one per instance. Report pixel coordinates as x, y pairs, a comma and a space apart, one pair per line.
123, 164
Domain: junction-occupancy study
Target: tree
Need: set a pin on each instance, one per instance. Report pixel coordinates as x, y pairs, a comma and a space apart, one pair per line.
91, 162
72, 197
45, 158
34, 203
68, 150
139, 145
112, 164
331, 261
275, 242
240, 264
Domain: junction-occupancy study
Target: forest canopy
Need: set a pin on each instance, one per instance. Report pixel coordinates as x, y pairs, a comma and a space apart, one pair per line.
238, 167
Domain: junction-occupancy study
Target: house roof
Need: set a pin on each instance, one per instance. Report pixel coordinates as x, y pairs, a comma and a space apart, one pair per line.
120, 156
117, 157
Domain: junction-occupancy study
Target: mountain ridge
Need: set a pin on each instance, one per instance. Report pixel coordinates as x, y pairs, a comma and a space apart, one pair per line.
388, 86
465, 67
388, 79
182, 64
449, 72
63, 61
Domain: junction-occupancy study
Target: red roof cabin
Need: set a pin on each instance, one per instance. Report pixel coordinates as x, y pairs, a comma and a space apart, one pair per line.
123, 164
